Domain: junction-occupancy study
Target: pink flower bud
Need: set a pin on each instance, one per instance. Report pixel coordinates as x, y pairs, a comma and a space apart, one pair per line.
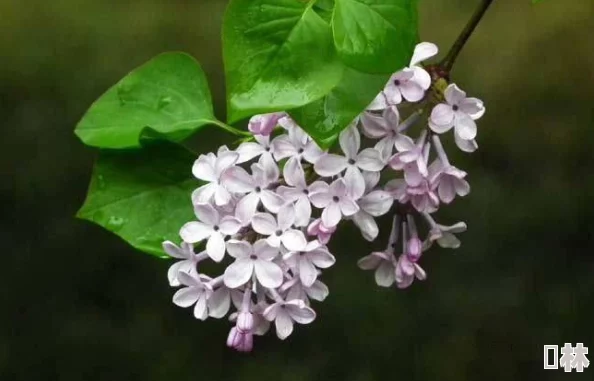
245, 322
414, 249
234, 338
265, 123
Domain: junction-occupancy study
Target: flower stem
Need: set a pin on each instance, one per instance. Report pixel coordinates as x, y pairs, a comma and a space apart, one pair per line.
447, 63
229, 128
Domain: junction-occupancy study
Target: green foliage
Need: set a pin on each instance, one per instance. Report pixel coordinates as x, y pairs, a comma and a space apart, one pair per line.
324, 119
168, 94
143, 196
375, 36
278, 55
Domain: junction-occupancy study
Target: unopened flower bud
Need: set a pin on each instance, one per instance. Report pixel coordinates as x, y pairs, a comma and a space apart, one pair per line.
414, 249
245, 321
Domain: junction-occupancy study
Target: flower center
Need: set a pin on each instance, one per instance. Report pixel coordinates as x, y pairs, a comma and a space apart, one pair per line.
278, 233
306, 191
300, 150
215, 228
455, 107
258, 189
267, 149
335, 199
253, 257
397, 82
351, 161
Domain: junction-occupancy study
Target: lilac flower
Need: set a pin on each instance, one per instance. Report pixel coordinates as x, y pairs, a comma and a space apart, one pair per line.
252, 259
285, 313
409, 83
280, 230
383, 262
298, 191
210, 226
305, 261
195, 293
296, 290
443, 235
410, 152
448, 179
354, 161
374, 204
459, 112
250, 150
240, 341
296, 145
209, 168
387, 128
255, 188
264, 124
336, 201
422, 197
407, 270
188, 262
321, 232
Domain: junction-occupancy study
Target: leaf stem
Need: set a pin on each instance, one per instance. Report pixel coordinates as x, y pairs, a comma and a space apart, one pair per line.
230, 129
447, 63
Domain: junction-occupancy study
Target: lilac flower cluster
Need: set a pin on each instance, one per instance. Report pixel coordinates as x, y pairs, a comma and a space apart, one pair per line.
269, 208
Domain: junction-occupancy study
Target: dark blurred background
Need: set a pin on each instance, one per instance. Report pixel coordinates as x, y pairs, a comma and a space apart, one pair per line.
78, 304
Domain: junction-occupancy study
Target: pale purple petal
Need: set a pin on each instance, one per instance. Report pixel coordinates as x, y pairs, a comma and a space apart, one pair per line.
186, 296
320, 199
282, 147
269, 274
200, 310
367, 225
225, 160
354, 181
376, 203
248, 150
350, 141
237, 180
422, 77
321, 258
271, 201
203, 169
286, 217
465, 145
300, 312
229, 225
294, 240
173, 250
312, 152
370, 160
264, 223
222, 196
195, 231
264, 251
307, 272
348, 207
239, 249
330, 165
465, 127
246, 207
302, 211
205, 193
318, 291
215, 247
293, 173
374, 126
384, 275
412, 91
238, 273
473, 107
378, 103
370, 262
219, 303
284, 325
207, 214
422, 52
454, 95
331, 215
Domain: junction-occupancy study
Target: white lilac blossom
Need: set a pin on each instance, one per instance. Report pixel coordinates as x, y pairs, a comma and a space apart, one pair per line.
270, 208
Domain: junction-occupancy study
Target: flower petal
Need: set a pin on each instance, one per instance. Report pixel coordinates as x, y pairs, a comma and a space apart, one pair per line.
412, 91
331, 215
422, 52
348, 207
237, 180
465, 145
215, 247
350, 141
294, 174
367, 225
284, 324
219, 303
355, 183
442, 118
195, 231
384, 275
264, 223
300, 312
330, 165
225, 160
229, 225
203, 169
307, 271
238, 273
377, 203
200, 310
370, 160
465, 127
186, 296
248, 150
207, 214
454, 95
264, 251
239, 249
286, 217
269, 274
294, 240
271, 201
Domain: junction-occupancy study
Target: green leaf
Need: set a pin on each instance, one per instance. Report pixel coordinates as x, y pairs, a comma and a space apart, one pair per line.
168, 94
143, 196
278, 55
325, 119
375, 36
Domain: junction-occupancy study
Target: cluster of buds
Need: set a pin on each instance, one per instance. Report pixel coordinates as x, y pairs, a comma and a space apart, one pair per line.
269, 208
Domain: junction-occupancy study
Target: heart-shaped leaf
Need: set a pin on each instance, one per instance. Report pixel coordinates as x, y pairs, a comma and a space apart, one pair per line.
143, 196
169, 94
